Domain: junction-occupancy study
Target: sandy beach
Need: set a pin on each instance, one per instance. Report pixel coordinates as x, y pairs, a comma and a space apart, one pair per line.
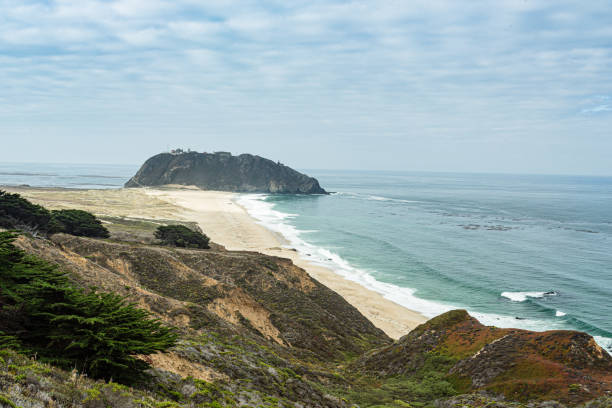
228, 224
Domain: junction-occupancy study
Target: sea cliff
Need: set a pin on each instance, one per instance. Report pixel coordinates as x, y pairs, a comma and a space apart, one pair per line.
224, 172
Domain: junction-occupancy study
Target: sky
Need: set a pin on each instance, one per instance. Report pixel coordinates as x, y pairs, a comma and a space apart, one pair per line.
512, 86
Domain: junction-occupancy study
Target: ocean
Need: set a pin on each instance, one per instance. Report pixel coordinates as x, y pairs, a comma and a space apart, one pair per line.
87, 176
524, 251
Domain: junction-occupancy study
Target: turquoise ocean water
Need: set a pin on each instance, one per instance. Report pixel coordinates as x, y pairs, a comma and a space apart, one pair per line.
533, 252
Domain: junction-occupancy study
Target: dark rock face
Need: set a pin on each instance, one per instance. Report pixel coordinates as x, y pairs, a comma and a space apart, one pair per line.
224, 172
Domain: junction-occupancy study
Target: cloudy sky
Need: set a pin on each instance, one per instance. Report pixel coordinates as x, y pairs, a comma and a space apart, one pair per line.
480, 86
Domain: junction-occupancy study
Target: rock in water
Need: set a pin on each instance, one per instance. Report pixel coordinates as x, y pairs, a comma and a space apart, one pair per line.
224, 172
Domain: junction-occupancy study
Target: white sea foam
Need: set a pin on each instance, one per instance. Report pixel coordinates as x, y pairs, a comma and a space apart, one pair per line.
604, 342
377, 198
372, 197
264, 213
522, 296
560, 313
491, 319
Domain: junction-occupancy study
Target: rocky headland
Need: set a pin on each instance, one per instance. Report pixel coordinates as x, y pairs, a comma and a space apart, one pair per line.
223, 172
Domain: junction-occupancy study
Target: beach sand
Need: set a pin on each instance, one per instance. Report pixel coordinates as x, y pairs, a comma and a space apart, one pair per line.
228, 224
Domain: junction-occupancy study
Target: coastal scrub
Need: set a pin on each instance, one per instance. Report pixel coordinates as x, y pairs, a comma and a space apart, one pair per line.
181, 236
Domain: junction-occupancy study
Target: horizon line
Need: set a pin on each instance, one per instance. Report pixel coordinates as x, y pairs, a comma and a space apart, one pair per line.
303, 169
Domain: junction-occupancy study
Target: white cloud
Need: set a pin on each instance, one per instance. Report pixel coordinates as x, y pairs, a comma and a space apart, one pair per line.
193, 30
203, 57
598, 109
250, 23
142, 8
147, 36
385, 67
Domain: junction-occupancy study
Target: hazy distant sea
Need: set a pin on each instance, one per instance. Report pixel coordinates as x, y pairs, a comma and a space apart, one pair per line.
533, 252
89, 176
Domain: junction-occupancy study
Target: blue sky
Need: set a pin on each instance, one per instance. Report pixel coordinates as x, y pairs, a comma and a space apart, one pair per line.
485, 86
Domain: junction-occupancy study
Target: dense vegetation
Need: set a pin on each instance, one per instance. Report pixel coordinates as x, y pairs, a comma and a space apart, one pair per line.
427, 384
28, 383
17, 212
77, 222
43, 314
181, 236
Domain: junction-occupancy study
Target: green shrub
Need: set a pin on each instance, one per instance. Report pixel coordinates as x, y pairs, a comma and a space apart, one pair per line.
16, 212
427, 384
77, 222
98, 333
5, 402
181, 236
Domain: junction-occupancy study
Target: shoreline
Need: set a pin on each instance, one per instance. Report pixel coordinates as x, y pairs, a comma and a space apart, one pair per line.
245, 233
229, 224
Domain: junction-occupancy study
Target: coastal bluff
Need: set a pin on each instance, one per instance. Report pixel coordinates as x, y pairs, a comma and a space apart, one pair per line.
223, 172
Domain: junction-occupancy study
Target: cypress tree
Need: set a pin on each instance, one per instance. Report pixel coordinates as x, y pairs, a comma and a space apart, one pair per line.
77, 222
181, 236
99, 333
16, 211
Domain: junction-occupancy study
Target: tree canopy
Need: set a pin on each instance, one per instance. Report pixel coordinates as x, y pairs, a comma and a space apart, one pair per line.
43, 313
181, 236
77, 222
18, 212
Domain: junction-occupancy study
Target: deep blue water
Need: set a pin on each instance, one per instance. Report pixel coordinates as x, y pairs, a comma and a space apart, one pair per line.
515, 250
